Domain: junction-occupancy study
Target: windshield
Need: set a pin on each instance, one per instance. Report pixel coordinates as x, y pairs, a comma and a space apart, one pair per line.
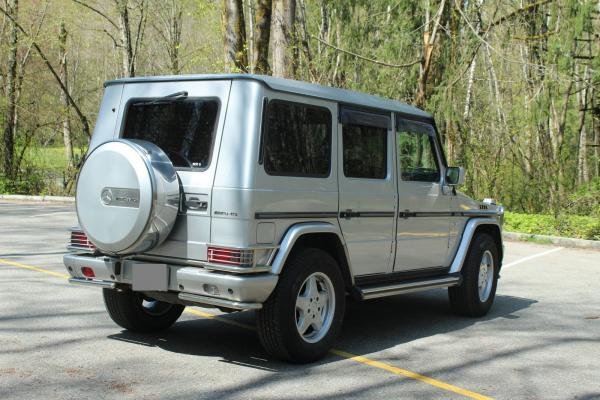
184, 129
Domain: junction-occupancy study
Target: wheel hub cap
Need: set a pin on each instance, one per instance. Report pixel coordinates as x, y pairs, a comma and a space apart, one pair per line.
315, 306
486, 276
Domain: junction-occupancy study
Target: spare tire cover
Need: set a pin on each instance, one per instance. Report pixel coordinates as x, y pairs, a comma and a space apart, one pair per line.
127, 196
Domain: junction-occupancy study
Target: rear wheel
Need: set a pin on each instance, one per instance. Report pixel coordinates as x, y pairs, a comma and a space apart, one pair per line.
303, 317
474, 297
138, 313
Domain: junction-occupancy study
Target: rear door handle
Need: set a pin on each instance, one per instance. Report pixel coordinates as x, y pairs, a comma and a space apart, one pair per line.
348, 214
194, 203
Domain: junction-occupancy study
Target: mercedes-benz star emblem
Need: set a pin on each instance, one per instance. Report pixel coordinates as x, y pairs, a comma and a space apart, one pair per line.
106, 196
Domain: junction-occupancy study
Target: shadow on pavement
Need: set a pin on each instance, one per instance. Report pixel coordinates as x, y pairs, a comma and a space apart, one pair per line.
368, 327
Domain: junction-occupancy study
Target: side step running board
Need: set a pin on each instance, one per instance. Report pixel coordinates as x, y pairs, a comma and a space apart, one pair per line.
391, 289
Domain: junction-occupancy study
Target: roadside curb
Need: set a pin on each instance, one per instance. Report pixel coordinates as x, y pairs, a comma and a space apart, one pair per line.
53, 199
556, 240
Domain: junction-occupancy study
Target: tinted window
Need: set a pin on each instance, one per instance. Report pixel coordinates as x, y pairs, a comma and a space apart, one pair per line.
297, 140
183, 129
365, 151
416, 156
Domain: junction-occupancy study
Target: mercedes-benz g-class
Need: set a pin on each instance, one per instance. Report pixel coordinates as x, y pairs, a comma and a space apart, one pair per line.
246, 192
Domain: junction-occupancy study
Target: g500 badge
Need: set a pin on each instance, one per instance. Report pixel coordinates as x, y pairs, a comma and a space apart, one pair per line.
120, 197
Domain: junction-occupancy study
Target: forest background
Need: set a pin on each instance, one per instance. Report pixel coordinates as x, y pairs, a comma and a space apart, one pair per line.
514, 84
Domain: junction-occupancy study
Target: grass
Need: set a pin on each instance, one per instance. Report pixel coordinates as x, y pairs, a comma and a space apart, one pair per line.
575, 226
51, 159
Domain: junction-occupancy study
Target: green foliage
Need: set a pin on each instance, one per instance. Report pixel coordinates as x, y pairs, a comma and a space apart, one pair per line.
30, 182
586, 200
577, 226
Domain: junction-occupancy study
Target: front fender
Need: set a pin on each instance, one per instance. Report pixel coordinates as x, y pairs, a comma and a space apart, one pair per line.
465, 241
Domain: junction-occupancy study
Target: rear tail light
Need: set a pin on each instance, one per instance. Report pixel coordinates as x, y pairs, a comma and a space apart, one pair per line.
80, 241
228, 256
88, 272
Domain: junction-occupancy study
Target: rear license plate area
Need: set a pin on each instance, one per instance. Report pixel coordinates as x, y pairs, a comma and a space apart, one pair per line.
149, 276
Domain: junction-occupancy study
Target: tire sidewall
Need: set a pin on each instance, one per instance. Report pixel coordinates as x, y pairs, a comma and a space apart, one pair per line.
482, 243
294, 276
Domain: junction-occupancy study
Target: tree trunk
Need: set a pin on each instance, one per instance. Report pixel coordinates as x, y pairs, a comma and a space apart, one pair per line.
582, 165
126, 44
284, 16
174, 32
596, 130
11, 92
236, 56
430, 31
262, 24
305, 43
66, 124
324, 28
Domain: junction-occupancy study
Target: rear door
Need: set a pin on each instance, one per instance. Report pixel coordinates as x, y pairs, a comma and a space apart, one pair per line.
187, 125
423, 200
367, 189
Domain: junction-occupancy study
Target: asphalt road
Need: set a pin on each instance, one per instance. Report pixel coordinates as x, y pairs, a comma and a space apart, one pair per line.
540, 341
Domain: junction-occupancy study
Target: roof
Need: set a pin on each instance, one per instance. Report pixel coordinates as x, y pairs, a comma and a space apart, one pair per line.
292, 86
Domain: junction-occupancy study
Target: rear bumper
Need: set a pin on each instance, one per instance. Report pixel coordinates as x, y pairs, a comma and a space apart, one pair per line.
194, 285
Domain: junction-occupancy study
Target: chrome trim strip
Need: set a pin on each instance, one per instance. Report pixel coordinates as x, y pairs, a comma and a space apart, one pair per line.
407, 287
199, 299
79, 249
231, 268
168, 260
92, 283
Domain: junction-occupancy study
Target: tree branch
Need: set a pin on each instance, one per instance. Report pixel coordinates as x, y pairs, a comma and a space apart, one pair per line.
81, 3
83, 119
385, 64
513, 14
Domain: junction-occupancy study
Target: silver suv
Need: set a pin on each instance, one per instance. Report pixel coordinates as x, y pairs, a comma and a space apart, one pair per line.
246, 192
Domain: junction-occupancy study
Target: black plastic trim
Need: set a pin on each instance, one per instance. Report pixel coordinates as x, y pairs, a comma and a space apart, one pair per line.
366, 214
414, 214
295, 215
364, 117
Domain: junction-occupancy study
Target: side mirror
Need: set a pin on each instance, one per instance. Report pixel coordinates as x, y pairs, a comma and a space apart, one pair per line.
455, 176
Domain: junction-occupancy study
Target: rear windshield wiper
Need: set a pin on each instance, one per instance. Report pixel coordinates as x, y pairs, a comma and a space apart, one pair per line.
163, 100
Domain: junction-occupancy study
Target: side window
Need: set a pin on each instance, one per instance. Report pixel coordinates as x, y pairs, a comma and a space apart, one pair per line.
416, 152
297, 140
365, 151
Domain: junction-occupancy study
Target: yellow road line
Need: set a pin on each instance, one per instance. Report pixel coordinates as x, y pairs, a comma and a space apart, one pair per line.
409, 374
341, 353
45, 271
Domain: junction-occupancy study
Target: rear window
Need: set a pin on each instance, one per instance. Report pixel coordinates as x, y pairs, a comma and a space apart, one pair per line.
297, 140
183, 129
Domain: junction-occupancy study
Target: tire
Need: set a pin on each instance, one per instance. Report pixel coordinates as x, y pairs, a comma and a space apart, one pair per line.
280, 316
137, 313
467, 299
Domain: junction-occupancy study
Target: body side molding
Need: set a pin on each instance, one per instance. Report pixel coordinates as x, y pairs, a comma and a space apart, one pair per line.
465, 241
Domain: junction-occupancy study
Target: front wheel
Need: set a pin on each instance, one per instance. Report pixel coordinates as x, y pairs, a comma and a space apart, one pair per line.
303, 317
474, 297
138, 313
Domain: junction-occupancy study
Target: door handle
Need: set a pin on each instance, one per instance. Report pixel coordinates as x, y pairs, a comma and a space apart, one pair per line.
348, 214
194, 203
